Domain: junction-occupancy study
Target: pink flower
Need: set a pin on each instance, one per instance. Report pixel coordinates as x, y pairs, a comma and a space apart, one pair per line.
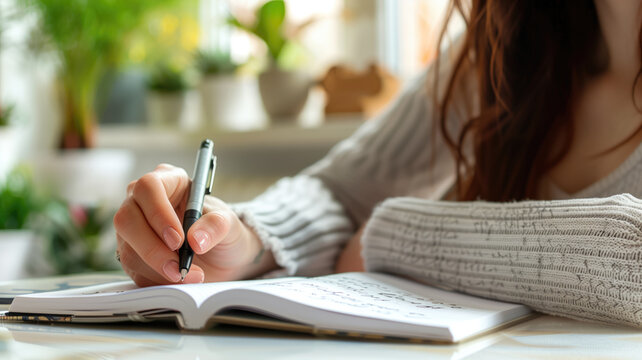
78, 215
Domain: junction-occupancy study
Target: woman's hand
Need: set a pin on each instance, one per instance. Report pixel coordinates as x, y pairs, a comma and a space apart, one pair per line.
149, 231
350, 258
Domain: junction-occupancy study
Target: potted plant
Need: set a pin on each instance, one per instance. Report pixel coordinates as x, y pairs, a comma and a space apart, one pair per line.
166, 93
75, 239
221, 91
283, 91
18, 206
87, 38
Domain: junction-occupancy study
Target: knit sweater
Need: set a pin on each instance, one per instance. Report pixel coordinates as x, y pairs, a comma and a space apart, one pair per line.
576, 255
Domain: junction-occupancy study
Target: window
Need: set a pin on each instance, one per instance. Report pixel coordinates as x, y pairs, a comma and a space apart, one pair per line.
400, 34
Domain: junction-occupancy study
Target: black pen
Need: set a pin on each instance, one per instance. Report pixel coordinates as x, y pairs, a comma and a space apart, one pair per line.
201, 185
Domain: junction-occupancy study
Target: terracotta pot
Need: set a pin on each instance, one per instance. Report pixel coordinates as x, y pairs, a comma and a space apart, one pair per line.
283, 93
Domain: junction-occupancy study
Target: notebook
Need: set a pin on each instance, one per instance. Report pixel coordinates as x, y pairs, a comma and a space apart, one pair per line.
369, 305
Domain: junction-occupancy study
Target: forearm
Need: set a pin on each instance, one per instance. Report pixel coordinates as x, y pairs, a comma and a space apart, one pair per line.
576, 258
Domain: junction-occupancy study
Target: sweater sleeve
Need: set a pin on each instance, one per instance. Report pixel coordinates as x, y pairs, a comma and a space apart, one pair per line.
306, 220
579, 258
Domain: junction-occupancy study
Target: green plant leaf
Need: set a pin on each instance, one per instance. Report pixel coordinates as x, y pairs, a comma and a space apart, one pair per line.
237, 24
5, 115
18, 200
269, 26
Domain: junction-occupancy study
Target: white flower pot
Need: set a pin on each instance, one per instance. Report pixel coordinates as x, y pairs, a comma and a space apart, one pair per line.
165, 110
87, 177
16, 248
230, 102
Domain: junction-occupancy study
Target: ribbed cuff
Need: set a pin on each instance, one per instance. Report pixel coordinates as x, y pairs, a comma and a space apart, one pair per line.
579, 258
301, 223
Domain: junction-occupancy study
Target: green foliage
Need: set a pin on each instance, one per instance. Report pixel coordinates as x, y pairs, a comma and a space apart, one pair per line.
18, 200
88, 37
5, 115
268, 27
166, 78
214, 63
72, 238
91, 31
70, 234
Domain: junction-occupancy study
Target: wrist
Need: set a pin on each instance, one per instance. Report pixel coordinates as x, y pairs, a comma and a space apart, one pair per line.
260, 260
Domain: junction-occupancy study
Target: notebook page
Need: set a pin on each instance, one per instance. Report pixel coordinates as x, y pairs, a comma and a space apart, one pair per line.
389, 298
122, 297
201, 292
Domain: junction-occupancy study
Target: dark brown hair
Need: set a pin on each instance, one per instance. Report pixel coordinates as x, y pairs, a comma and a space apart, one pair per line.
529, 58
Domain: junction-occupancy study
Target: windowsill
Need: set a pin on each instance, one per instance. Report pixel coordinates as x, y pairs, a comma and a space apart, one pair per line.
292, 135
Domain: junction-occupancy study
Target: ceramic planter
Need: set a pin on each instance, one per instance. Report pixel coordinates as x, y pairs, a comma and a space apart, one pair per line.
165, 109
87, 177
16, 248
230, 102
283, 93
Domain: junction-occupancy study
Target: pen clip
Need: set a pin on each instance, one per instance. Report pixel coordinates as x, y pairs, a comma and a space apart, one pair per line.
210, 180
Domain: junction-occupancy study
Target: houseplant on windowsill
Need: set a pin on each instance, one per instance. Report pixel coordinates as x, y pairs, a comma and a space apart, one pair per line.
166, 94
221, 90
83, 39
284, 90
87, 38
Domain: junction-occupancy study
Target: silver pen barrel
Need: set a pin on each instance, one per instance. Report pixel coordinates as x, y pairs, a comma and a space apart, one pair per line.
201, 176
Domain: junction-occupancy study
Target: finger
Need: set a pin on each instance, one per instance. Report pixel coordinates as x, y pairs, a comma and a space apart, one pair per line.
135, 267
208, 231
143, 275
138, 279
152, 193
176, 190
132, 226
160, 167
130, 188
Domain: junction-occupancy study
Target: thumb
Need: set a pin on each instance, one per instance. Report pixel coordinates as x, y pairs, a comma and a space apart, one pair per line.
209, 231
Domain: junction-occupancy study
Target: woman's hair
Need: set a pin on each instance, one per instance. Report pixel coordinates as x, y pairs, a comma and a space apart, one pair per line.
529, 58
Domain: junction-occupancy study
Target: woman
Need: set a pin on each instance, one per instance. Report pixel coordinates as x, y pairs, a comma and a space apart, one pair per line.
534, 127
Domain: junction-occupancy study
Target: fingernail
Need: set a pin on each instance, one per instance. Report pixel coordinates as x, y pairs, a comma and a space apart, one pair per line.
171, 237
195, 277
171, 270
202, 239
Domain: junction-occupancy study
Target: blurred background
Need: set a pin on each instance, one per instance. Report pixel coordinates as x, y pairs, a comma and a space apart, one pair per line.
95, 93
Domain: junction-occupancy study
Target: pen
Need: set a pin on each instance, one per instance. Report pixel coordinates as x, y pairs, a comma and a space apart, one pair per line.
202, 181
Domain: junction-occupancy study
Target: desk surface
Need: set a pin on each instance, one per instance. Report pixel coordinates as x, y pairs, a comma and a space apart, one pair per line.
544, 337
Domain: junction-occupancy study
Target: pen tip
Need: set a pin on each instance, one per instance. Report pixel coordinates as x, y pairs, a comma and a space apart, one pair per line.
183, 274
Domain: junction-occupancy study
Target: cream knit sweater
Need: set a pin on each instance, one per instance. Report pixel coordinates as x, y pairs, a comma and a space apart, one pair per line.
578, 256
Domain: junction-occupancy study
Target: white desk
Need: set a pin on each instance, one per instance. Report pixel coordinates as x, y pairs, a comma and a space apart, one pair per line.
544, 337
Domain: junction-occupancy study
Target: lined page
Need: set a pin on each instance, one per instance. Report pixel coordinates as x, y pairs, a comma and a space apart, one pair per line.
390, 298
122, 296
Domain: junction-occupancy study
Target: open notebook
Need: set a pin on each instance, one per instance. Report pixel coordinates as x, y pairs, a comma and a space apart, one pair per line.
354, 304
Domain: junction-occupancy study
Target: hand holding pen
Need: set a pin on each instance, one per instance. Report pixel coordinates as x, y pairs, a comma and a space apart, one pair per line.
150, 233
